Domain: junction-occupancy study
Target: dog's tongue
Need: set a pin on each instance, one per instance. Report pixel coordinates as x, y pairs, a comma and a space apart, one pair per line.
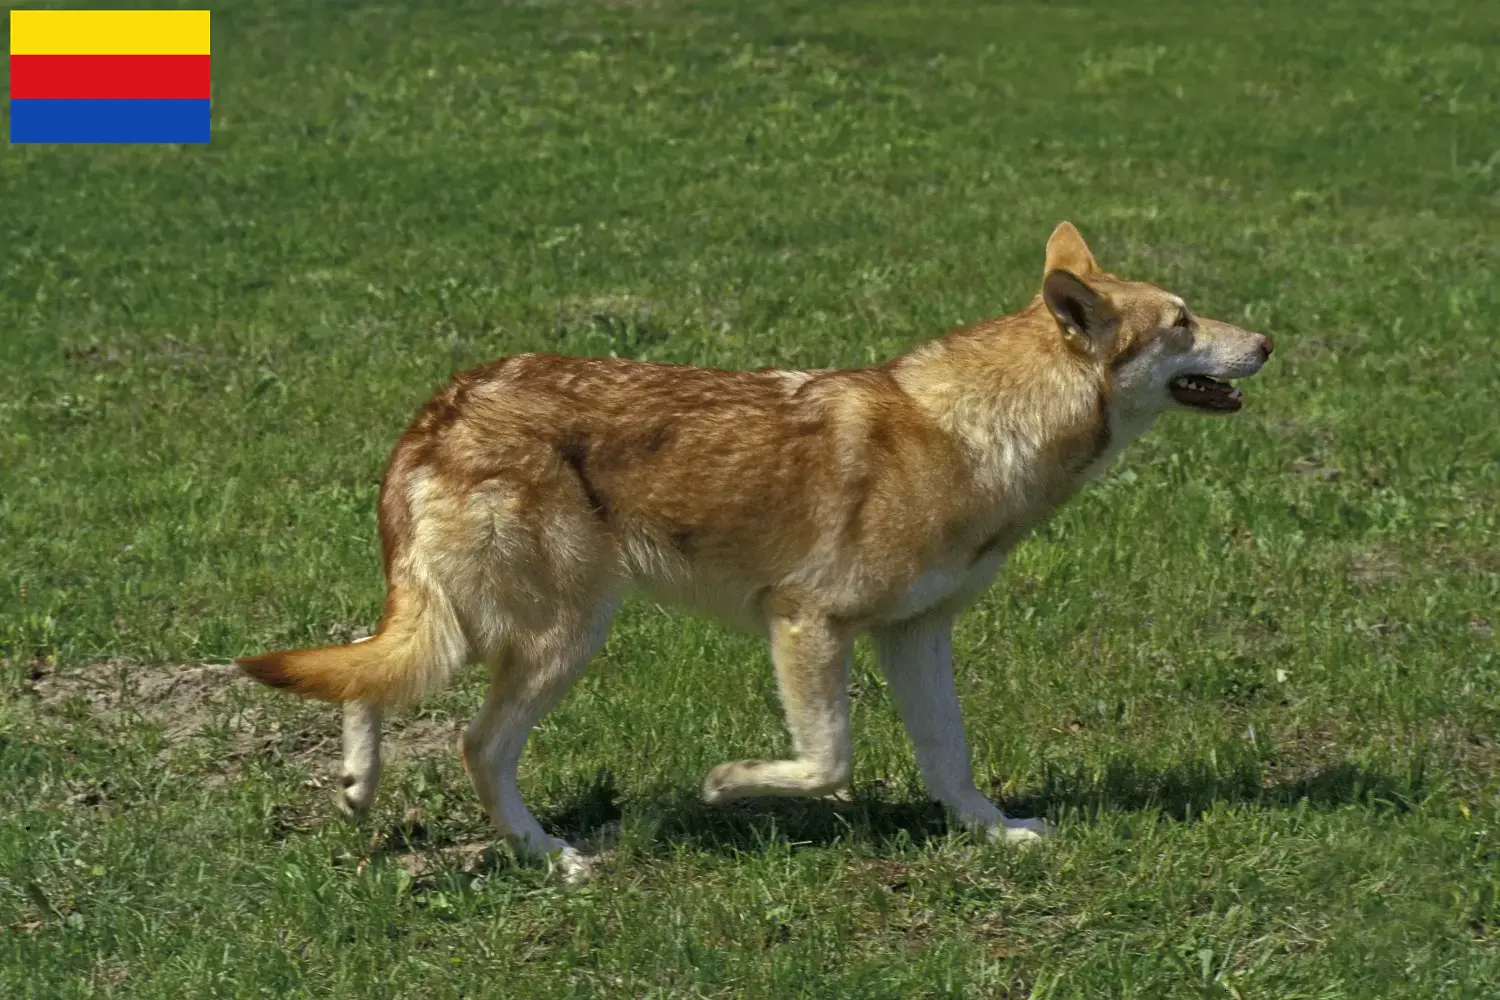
1208, 393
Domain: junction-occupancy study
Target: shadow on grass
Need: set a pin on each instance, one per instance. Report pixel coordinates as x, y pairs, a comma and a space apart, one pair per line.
1185, 792
889, 819
900, 816
679, 816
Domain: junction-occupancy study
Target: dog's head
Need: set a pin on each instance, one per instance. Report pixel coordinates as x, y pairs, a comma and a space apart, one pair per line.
1155, 353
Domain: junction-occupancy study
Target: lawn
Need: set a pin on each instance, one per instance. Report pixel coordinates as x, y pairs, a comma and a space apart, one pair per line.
1251, 674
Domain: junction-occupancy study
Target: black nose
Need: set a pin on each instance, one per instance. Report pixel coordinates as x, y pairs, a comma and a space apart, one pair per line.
1265, 345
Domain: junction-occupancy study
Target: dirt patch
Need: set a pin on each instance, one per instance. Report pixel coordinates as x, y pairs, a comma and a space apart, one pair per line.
407, 845
182, 700
421, 737
1300, 753
1311, 467
1467, 753
1375, 566
216, 702
474, 858
1383, 563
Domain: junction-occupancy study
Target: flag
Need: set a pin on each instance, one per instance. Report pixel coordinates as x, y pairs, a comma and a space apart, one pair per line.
109, 76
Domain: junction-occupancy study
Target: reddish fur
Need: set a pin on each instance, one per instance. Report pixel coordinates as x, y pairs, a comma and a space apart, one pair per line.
833, 491
528, 493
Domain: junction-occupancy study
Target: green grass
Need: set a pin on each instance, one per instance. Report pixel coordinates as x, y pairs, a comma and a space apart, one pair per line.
1251, 674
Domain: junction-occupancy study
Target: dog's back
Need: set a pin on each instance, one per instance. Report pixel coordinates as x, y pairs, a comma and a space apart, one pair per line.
529, 493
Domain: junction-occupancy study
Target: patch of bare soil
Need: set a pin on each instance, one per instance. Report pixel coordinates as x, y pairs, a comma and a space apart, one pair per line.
1383, 564
1312, 467
215, 700
474, 858
1375, 566
410, 845
1301, 752
182, 700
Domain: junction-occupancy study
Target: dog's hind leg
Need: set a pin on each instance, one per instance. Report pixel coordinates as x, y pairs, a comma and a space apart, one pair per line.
917, 660
812, 670
528, 678
361, 755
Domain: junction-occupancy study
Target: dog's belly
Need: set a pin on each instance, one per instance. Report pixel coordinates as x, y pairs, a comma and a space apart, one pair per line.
731, 598
704, 594
946, 586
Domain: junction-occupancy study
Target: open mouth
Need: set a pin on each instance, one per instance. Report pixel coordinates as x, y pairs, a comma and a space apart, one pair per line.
1204, 393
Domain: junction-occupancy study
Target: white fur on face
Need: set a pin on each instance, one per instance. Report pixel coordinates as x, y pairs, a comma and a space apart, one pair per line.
1223, 352
1217, 350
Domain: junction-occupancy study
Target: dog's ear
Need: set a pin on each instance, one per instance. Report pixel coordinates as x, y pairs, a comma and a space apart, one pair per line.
1087, 319
1066, 251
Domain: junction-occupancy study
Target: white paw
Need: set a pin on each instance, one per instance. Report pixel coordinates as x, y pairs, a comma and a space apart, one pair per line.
718, 784
1022, 832
355, 798
840, 796
575, 867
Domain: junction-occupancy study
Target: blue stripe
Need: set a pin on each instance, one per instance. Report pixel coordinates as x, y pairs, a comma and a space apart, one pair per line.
108, 121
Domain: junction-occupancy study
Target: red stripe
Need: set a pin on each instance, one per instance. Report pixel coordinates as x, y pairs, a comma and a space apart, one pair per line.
108, 77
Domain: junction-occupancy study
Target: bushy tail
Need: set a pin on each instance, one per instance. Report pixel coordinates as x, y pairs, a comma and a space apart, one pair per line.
419, 644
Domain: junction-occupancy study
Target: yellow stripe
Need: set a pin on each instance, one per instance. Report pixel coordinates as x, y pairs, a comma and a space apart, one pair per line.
109, 32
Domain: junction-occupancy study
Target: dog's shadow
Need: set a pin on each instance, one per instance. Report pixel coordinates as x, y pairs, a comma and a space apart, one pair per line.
887, 818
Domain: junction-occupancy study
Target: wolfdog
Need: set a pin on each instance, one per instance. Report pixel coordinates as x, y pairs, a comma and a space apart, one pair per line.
531, 492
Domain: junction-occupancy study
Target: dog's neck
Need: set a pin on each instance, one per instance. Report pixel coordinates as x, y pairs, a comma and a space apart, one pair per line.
1024, 409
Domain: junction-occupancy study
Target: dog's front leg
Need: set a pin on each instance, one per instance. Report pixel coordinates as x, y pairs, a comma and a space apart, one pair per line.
811, 655
916, 657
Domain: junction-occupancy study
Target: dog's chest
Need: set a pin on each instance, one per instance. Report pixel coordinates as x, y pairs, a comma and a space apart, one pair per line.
953, 584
